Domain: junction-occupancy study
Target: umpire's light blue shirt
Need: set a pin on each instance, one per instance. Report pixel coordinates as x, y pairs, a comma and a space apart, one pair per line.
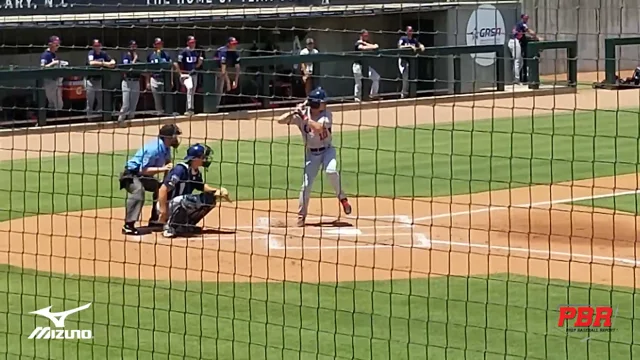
153, 154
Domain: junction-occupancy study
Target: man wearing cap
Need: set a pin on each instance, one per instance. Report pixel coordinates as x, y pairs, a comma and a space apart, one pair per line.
189, 60
410, 42
52, 87
93, 83
227, 56
307, 68
364, 45
156, 81
130, 85
139, 173
520, 35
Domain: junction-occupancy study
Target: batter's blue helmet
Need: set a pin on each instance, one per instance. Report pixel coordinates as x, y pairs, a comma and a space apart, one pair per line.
199, 151
317, 96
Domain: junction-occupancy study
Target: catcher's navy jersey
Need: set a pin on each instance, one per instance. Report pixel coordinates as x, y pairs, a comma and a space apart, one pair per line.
182, 180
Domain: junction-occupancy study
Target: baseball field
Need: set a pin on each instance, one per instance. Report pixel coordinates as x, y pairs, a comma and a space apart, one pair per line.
473, 222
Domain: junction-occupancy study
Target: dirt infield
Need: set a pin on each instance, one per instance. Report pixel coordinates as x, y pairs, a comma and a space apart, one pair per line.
529, 231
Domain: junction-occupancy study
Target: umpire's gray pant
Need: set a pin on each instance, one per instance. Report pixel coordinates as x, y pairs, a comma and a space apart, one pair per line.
130, 96
54, 93
135, 199
94, 94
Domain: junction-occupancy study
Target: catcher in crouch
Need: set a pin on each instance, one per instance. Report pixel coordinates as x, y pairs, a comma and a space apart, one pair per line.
179, 209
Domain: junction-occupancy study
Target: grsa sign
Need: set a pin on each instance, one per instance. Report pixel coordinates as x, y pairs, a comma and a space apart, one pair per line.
586, 318
485, 27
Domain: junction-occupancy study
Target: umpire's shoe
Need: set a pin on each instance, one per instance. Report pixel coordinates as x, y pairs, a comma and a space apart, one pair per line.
130, 230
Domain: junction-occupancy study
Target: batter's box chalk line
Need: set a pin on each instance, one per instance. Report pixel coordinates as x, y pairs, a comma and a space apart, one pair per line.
405, 220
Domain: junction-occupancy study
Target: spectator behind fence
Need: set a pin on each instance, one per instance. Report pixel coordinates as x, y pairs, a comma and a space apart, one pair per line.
364, 45
227, 56
307, 68
93, 84
156, 81
52, 87
189, 60
130, 85
520, 36
407, 41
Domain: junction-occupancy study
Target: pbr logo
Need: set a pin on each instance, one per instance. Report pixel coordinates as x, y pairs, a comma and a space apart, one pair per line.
485, 27
586, 318
58, 321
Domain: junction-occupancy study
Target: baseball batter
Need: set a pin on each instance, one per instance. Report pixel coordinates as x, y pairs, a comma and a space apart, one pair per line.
314, 122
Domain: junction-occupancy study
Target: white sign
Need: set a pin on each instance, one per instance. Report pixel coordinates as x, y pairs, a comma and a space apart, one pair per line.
58, 321
486, 27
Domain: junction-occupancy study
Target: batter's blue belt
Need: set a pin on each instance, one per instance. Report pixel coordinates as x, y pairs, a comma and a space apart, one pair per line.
317, 149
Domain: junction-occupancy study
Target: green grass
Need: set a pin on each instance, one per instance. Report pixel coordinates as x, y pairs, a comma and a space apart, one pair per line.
501, 317
453, 158
626, 203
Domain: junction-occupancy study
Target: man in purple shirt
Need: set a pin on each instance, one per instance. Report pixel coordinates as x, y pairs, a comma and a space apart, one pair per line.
227, 56
407, 41
189, 60
52, 87
517, 45
93, 85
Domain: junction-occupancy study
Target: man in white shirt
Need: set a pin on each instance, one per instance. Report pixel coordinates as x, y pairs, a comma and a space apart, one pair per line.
307, 68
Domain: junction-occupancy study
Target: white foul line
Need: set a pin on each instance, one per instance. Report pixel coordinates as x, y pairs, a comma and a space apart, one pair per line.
425, 243
529, 205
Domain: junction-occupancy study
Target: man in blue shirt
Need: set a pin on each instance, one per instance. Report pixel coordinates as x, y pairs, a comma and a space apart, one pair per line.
227, 56
520, 34
93, 84
189, 60
139, 175
52, 87
178, 206
156, 82
407, 41
130, 85
363, 44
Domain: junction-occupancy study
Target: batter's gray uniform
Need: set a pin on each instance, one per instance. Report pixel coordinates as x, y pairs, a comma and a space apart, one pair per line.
318, 153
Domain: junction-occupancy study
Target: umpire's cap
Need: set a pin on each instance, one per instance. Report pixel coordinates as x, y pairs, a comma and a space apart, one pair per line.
317, 96
169, 130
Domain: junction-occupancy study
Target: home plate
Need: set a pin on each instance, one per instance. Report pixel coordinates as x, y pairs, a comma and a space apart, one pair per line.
343, 231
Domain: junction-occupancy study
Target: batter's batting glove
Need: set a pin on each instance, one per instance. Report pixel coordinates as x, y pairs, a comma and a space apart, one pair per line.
223, 194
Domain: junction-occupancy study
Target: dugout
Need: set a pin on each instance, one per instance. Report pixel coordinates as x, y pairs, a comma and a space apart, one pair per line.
334, 27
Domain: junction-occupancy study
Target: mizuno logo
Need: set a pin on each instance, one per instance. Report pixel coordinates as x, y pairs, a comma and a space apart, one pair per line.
58, 319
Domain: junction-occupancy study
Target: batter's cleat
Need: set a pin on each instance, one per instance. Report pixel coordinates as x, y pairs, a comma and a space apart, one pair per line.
301, 221
346, 206
130, 230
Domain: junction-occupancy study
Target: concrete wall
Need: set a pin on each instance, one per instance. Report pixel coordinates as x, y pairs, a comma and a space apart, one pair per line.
589, 22
475, 76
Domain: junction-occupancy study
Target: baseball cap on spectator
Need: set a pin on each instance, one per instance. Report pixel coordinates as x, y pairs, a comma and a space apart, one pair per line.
191, 39
232, 41
133, 44
157, 41
409, 30
96, 43
54, 40
524, 16
309, 41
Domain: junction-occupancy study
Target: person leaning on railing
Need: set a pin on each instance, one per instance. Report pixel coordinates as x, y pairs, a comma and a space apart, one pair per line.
363, 44
156, 81
227, 56
52, 87
130, 85
521, 34
407, 41
93, 84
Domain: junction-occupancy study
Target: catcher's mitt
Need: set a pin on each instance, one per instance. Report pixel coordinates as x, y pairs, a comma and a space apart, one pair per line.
223, 194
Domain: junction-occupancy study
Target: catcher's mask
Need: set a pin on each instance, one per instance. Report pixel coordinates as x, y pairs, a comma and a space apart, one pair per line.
316, 98
173, 132
199, 151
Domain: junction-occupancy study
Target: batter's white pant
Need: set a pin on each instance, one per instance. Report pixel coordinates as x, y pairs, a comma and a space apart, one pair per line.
516, 53
403, 66
54, 93
190, 82
312, 163
357, 75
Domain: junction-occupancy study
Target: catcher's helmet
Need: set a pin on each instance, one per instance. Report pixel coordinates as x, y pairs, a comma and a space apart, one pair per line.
199, 151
